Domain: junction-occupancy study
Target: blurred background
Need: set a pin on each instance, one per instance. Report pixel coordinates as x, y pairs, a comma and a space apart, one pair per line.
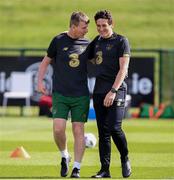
26, 29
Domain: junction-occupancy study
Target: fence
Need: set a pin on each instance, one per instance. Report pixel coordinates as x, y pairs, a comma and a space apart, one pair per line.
163, 68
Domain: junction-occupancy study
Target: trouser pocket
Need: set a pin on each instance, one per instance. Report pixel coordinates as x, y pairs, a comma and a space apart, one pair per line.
120, 98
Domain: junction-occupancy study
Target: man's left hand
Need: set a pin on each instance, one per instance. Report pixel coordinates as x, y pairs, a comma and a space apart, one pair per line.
109, 99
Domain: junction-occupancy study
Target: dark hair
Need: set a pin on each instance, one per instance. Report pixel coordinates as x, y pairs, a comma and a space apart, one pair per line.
77, 17
103, 14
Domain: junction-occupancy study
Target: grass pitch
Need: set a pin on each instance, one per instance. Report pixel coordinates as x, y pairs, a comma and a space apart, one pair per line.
151, 146
33, 23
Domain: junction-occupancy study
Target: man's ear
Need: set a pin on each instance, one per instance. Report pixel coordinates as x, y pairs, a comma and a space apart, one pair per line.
73, 26
112, 24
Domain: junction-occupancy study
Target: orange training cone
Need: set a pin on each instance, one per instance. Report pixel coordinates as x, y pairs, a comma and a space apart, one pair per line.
20, 152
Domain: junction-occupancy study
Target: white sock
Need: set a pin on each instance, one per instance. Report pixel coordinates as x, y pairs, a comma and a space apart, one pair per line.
64, 153
76, 165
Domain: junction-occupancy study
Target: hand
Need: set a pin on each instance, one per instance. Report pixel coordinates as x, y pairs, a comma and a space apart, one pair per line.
41, 88
109, 99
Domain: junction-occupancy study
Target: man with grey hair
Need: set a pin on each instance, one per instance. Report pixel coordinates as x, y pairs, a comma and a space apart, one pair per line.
70, 91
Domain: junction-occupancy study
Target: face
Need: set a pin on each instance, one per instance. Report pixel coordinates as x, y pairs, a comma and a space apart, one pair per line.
103, 28
80, 30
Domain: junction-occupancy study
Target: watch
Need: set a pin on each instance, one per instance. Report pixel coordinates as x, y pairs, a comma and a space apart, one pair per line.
113, 90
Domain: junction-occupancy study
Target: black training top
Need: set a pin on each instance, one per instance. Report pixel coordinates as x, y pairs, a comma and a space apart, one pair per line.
70, 72
106, 54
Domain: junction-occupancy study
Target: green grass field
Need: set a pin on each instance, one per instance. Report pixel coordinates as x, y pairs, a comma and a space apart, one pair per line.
151, 146
33, 23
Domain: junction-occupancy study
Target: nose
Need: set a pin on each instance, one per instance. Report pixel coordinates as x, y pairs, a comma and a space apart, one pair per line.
86, 30
100, 28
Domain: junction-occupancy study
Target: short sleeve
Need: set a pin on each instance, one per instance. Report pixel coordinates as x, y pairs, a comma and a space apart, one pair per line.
52, 49
124, 49
91, 48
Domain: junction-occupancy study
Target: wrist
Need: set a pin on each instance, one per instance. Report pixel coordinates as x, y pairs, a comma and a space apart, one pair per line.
113, 90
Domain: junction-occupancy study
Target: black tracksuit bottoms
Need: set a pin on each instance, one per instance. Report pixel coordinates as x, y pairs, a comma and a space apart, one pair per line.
109, 123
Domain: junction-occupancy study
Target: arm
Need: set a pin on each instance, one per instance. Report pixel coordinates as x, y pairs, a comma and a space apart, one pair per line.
42, 70
124, 63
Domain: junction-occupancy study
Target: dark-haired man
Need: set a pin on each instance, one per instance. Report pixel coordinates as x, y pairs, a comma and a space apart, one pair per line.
70, 91
111, 53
